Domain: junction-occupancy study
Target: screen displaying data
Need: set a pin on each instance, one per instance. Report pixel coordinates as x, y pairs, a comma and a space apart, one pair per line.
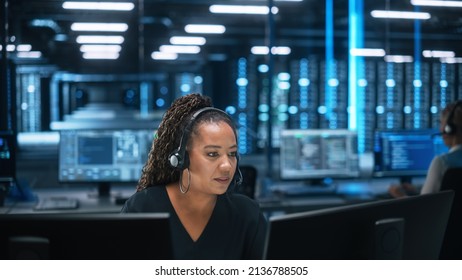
103, 155
406, 152
318, 153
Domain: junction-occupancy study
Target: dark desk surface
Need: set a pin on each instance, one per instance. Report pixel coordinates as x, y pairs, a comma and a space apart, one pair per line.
347, 192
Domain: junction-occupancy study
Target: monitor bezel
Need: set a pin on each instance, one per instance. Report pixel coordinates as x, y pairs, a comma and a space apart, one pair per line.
348, 232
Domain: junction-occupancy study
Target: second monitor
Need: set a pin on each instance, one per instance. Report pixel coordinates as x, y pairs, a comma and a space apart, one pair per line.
316, 154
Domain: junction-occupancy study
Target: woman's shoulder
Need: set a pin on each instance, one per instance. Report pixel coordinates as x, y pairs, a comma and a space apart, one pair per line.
142, 201
242, 202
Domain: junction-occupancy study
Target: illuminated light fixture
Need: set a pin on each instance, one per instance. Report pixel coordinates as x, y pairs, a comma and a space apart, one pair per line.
451, 60
94, 39
398, 58
97, 26
185, 40
438, 54
100, 55
263, 50
28, 54
24, 48
205, 28
179, 49
109, 6
9, 48
368, 52
400, 14
164, 56
100, 48
241, 9
436, 3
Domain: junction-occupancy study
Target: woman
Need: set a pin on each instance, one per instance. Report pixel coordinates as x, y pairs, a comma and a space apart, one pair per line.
451, 130
191, 166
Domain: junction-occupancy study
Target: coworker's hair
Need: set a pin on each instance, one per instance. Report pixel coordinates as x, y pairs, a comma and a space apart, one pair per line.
157, 171
452, 113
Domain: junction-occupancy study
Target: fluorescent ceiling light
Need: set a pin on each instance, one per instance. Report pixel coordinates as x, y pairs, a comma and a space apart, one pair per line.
110, 6
24, 48
399, 14
398, 58
9, 48
241, 9
100, 48
185, 40
93, 39
34, 54
164, 56
436, 3
263, 50
434, 53
451, 60
367, 52
179, 49
96, 26
100, 55
205, 28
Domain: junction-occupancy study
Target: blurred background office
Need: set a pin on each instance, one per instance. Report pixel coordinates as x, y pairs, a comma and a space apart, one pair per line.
320, 90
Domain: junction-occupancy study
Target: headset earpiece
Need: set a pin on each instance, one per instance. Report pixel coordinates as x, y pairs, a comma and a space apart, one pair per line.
450, 128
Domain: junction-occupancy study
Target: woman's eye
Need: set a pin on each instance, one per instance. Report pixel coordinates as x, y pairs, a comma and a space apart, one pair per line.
212, 154
233, 154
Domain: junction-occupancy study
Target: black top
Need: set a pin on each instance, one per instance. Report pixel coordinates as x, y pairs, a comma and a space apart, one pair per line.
236, 229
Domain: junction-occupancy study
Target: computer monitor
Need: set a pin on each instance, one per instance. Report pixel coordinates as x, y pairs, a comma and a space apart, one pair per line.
7, 156
405, 153
406, 228
86, 236
103, 156
316, 154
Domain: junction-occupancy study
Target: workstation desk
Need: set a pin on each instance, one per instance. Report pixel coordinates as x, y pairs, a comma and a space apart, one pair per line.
346, 192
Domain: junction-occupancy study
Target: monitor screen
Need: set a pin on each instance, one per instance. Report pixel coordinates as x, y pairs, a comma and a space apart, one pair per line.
86, 236
103, 155
387, 229
318, 153
405, 152
7, 156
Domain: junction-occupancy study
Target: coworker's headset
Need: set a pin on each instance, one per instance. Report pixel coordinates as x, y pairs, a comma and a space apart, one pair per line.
179, 158
451, 128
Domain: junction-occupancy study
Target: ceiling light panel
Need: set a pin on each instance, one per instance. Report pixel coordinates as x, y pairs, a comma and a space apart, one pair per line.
108, 6
205, 28
96, 26
94, 39
187, 40
400, 14
241, 9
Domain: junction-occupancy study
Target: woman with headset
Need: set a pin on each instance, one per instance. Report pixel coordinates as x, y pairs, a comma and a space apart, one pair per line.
191, 167
451, 130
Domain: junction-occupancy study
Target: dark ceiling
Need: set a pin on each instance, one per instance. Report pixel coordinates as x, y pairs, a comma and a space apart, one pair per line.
299, 25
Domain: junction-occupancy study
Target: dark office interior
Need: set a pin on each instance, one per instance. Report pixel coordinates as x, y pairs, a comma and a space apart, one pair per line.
334, 101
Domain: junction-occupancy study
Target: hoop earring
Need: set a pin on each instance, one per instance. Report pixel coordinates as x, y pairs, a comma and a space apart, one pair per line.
182, 190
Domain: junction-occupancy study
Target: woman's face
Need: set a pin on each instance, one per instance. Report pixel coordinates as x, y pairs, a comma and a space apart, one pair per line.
212, 158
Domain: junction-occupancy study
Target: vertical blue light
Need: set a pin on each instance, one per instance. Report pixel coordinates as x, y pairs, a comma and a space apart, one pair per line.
330, 63
356, 114
417, 67
242, 84
144, 99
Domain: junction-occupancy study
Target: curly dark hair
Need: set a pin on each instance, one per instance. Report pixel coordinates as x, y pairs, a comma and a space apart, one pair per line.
157, 171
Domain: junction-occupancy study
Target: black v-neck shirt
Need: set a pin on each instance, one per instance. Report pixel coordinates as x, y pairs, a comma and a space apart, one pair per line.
236, 229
